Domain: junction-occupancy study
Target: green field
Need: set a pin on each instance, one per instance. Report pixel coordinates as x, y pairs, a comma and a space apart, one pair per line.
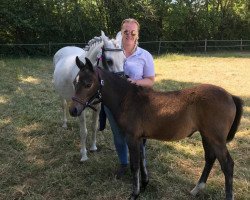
40, 160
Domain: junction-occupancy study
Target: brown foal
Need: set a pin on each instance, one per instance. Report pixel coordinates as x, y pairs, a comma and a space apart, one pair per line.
168, 116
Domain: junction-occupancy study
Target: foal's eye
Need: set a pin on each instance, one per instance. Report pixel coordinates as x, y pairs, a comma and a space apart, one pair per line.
87, 85
109, 62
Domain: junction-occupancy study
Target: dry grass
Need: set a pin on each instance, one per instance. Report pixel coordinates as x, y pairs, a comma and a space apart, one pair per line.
40, 160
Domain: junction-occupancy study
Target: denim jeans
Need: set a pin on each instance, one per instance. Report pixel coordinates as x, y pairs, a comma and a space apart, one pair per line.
120, 139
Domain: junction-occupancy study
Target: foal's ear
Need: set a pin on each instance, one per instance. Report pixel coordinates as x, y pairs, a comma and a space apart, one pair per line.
89, 65
79, 63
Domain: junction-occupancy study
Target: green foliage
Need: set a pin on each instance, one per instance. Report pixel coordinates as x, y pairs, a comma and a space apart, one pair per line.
43, 21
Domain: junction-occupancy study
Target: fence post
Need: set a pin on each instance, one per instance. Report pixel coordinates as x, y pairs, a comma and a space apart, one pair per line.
159, 48
205, 46
241, 44
49, 48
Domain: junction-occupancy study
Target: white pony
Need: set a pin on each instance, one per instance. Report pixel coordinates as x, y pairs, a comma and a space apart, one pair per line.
102, 52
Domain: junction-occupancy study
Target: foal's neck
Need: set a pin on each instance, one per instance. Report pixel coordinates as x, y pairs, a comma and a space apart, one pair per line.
114, 91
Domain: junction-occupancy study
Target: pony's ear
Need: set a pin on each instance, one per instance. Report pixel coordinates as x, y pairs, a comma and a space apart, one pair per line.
118, 38
79, 63
89, 64
104, 38
103, 34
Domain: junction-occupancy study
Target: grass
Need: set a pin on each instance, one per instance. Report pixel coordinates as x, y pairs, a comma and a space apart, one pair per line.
40, 160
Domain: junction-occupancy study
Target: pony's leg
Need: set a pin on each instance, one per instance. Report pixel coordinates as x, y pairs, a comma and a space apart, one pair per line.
134, 152
144, 172
227, 166
95, 117
209, 162
65, 110
83, 136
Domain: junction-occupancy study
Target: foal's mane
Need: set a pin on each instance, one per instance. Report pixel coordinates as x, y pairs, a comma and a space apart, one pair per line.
125, 86
139, 92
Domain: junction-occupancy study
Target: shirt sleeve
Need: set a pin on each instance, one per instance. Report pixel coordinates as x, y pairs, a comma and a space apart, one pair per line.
148, 69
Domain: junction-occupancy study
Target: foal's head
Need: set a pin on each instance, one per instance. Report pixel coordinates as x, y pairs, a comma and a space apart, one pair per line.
87, 87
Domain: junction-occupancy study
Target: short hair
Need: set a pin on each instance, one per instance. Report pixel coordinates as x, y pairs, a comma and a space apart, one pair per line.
131, 20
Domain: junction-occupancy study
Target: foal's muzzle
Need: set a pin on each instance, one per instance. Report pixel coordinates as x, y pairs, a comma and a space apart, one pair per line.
75, 110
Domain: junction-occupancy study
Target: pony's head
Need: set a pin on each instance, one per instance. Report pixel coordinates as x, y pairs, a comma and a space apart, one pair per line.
86, 85
106, 53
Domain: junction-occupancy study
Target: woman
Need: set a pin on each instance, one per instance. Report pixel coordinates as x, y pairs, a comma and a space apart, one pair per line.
139, 67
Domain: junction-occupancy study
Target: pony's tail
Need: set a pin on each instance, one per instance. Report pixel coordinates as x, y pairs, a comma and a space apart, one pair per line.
239, 110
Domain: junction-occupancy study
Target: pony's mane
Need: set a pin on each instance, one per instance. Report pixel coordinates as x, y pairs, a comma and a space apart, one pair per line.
97, 40
92, 43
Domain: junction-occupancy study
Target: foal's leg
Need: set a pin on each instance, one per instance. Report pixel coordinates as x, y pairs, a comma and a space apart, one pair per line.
134, 153
83, 136
227, 166
65, 110
144, 172
95, 117
209, 159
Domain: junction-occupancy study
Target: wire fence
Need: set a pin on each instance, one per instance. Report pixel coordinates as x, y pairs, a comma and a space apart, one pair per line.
203, 46
155, 47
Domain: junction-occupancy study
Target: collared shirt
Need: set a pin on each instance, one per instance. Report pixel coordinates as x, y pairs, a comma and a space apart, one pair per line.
139, 65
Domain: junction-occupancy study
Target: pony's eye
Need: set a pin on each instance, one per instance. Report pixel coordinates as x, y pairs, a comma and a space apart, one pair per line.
109, 62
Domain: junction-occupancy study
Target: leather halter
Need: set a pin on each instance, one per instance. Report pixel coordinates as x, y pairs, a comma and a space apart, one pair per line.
96, 98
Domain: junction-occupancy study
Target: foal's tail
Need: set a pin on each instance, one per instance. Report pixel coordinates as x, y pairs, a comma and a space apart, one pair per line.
239, 110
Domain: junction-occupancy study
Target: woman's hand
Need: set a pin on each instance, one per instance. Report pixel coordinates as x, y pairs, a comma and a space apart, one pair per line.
146, 82
132, 81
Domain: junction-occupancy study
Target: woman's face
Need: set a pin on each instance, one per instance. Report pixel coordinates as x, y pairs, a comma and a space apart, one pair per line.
129, 33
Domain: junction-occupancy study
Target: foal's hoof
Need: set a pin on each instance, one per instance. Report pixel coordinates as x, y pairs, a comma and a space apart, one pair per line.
133, 197
144, 185
229, 196
197, 189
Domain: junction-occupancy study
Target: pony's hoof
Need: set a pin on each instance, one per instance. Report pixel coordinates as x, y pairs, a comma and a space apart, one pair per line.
65, 126
83, 159
93, 149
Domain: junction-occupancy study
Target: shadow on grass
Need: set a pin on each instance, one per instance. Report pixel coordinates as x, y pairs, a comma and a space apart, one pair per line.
171, 85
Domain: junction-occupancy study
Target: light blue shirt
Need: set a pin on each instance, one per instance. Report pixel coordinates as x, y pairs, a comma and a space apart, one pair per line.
139, 65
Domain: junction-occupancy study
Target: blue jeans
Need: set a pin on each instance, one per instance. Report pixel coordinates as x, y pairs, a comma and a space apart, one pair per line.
120, 139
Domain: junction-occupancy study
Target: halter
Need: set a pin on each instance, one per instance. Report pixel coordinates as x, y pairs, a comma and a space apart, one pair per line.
96, 98
103, 57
